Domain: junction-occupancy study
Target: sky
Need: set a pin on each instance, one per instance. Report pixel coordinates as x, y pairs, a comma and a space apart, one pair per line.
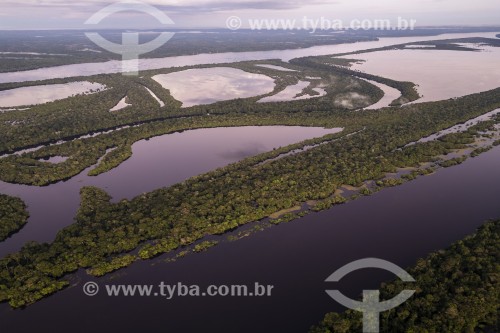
67, 14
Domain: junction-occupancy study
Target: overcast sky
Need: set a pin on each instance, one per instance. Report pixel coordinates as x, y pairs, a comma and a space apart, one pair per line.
54, 14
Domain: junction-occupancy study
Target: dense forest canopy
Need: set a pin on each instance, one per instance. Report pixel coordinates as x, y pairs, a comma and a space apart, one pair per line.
13, 215
109, 236
457, 290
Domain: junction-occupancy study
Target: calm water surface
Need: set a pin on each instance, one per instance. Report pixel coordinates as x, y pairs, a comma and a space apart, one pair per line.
46, 93
290, 93
155, 163
218, 58
390, 94
210, 85
398, 224
439, 74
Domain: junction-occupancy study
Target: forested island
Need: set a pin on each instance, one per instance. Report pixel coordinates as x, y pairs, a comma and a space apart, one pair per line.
13, 215
108, 236
457, 290
44, 49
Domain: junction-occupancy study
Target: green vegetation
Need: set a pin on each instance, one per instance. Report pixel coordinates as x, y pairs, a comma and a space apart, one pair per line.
326, 64
328, 203
106, 234
111, 266
61, 123
341, 61
436, 45
289, 217
73, 47
390, 182
457, 290
420, 172
480, 151
204, 246
224, 199
13, 215
453, 162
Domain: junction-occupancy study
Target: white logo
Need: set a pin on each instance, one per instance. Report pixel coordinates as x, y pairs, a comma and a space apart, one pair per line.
91, 289
130, 49
371, 306
234, 23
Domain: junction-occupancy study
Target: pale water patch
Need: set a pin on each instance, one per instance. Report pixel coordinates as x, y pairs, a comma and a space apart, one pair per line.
471, 45
390, 94
35, 53
90, 50
278, 68
210, 85
290, 93
115, 66
440, 74
155, 97
46, 93
122, 104
159, 162
55, 159
419, 46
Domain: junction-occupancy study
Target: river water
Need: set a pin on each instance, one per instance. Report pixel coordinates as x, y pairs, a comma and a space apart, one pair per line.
398, 224
47, 93
217, 58
155, 163
439, 74
209, 85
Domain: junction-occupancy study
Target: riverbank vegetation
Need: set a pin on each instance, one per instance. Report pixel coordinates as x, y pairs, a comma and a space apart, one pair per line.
13, 215
373, 143
326, 64
27, 50
224, 199
457, 290
84, 115
459, 44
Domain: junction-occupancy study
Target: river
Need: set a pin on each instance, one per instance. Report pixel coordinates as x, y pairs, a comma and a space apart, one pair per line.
155, 163
89, 69
398, 224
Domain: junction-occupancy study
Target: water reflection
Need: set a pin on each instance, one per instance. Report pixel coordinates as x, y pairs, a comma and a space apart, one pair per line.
291, 92
209, 85
155, 163
122, 104
398, 224
277, 68
218, 58
46, 93
440, 74
390, 94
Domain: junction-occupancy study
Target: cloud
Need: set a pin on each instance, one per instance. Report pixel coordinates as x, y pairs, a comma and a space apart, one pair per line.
38, 14
187, 6
220, 6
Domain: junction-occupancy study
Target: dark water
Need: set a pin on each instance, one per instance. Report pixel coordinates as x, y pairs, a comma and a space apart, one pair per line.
398, 224
156, 163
